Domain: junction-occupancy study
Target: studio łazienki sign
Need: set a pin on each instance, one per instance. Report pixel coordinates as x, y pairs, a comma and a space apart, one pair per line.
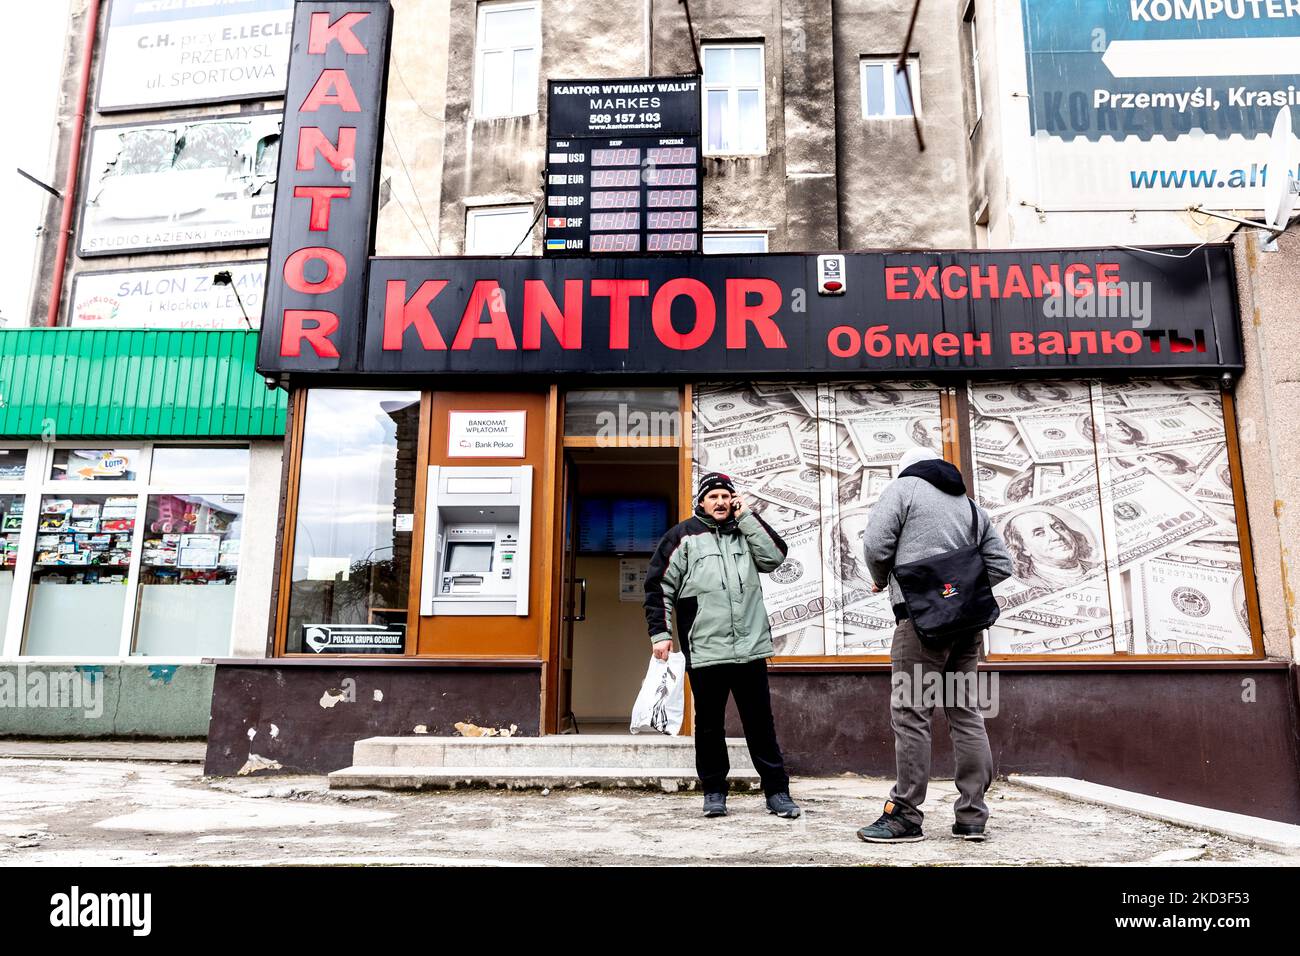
332, 307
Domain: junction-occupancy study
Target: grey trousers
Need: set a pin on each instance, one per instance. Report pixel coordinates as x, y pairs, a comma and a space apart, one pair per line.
911, 712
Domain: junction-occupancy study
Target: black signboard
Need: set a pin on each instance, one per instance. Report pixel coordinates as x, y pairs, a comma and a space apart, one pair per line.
354, 638
323, 228
901, 313
624, 171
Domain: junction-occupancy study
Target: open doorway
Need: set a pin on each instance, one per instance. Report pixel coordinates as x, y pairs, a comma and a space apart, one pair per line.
619, 502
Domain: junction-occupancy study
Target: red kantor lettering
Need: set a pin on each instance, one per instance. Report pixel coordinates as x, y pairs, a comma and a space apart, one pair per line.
340, 156
661, 314
401, 313
295, 331
565, 325
336, 270
332, 88
320, 196
619, 291
488, 293
323, 32
740, 313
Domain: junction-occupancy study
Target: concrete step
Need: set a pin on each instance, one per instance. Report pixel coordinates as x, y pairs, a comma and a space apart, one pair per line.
667, 779
554, 752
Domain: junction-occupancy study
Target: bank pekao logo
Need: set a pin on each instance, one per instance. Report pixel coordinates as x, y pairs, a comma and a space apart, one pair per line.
789, 572
949, 590
76, 909
1191, 602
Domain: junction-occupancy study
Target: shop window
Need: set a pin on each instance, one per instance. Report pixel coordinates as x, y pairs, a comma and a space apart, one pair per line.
884, 88
973, 41
508, 50
11, 526
79, 574
1116, 504
623, 416
189, 562
721, 243
197, 465
356, 499
13, 464
95, 464
735, 116
812, 460
498, 231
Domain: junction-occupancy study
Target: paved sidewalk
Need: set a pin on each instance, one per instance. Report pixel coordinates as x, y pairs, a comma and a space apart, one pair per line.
164, 751
69, 812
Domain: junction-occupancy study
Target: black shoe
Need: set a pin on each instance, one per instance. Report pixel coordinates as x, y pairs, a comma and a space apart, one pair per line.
970, 831
891, 828
783, 806
715, 804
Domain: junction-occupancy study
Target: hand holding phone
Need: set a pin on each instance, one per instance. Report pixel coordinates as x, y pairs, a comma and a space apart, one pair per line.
737, 505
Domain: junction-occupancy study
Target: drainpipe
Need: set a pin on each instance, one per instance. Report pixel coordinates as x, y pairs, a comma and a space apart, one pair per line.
74, 160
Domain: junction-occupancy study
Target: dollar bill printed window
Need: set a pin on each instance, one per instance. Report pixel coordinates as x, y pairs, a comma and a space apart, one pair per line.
1115, 501
812, 460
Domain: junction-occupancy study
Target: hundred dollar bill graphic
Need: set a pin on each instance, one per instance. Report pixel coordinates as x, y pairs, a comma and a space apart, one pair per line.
997, 487
1214, 482
1057, 435
749, 451
1169, 426
1191, 601
1090, 640
731, 407
1005, 399
882, 439
865, 627
997, 442
805, 642
1149, 393
793, 489
1055, 542
793, 592
1184, 467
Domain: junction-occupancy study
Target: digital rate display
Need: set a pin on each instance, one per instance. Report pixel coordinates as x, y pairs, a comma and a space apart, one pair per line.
623, 166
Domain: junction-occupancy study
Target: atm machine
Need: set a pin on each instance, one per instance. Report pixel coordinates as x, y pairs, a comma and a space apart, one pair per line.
476, 540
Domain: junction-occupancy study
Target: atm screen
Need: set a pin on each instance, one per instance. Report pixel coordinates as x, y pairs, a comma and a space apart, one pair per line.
469, 556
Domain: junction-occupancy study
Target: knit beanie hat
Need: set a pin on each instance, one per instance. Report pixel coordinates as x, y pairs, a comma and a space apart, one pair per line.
711, 481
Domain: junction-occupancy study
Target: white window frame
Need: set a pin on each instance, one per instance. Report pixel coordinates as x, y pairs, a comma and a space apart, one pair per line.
734, 234
37, 485
889, 64
523, 245
733, 100
481, 51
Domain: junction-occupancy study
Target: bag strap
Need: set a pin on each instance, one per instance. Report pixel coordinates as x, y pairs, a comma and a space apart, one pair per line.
974, 523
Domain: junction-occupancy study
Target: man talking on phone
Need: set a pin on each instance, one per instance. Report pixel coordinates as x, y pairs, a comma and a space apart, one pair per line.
704, 575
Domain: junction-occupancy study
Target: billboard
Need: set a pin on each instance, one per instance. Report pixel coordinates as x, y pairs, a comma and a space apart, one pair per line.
169, 297
1158, 104
180, 184
193, 51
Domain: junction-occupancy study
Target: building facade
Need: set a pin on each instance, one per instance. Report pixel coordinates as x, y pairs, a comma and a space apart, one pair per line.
1111, 391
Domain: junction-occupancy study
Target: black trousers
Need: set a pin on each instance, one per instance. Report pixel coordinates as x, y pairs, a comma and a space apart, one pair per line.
748, 684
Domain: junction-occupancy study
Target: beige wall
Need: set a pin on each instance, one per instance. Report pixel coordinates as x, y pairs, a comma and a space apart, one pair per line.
610, 648
1267, 398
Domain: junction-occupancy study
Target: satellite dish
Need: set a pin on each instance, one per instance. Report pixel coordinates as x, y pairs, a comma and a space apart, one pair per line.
1280, 198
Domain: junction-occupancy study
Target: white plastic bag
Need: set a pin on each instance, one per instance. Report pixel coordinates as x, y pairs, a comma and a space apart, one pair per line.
661, 705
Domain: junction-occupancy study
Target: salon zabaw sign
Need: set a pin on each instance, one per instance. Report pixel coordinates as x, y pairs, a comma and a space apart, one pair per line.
331, 307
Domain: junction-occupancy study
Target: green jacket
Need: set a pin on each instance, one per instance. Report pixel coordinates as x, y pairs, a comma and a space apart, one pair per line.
706, 576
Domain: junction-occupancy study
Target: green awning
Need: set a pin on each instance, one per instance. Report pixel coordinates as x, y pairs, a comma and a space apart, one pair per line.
134, 383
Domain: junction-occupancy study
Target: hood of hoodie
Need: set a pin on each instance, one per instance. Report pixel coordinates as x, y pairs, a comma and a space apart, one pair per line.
939, 473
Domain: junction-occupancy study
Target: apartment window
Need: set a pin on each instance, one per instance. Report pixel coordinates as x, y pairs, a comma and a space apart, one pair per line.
509, 48
719, 243
972, 36
498, 231
884, 90
735, 118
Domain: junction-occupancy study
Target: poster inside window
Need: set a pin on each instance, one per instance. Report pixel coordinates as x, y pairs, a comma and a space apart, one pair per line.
11, 526
1115, 500
812, 460
95, 464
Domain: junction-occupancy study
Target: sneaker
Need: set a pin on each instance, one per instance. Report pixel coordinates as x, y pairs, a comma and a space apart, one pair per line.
783, 806
715, 804
891, 828
970, 831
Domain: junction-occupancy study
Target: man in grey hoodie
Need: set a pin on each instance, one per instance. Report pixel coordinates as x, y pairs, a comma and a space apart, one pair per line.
925, 512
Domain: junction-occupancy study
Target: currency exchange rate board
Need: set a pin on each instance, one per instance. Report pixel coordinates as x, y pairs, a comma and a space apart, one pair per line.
623, 166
